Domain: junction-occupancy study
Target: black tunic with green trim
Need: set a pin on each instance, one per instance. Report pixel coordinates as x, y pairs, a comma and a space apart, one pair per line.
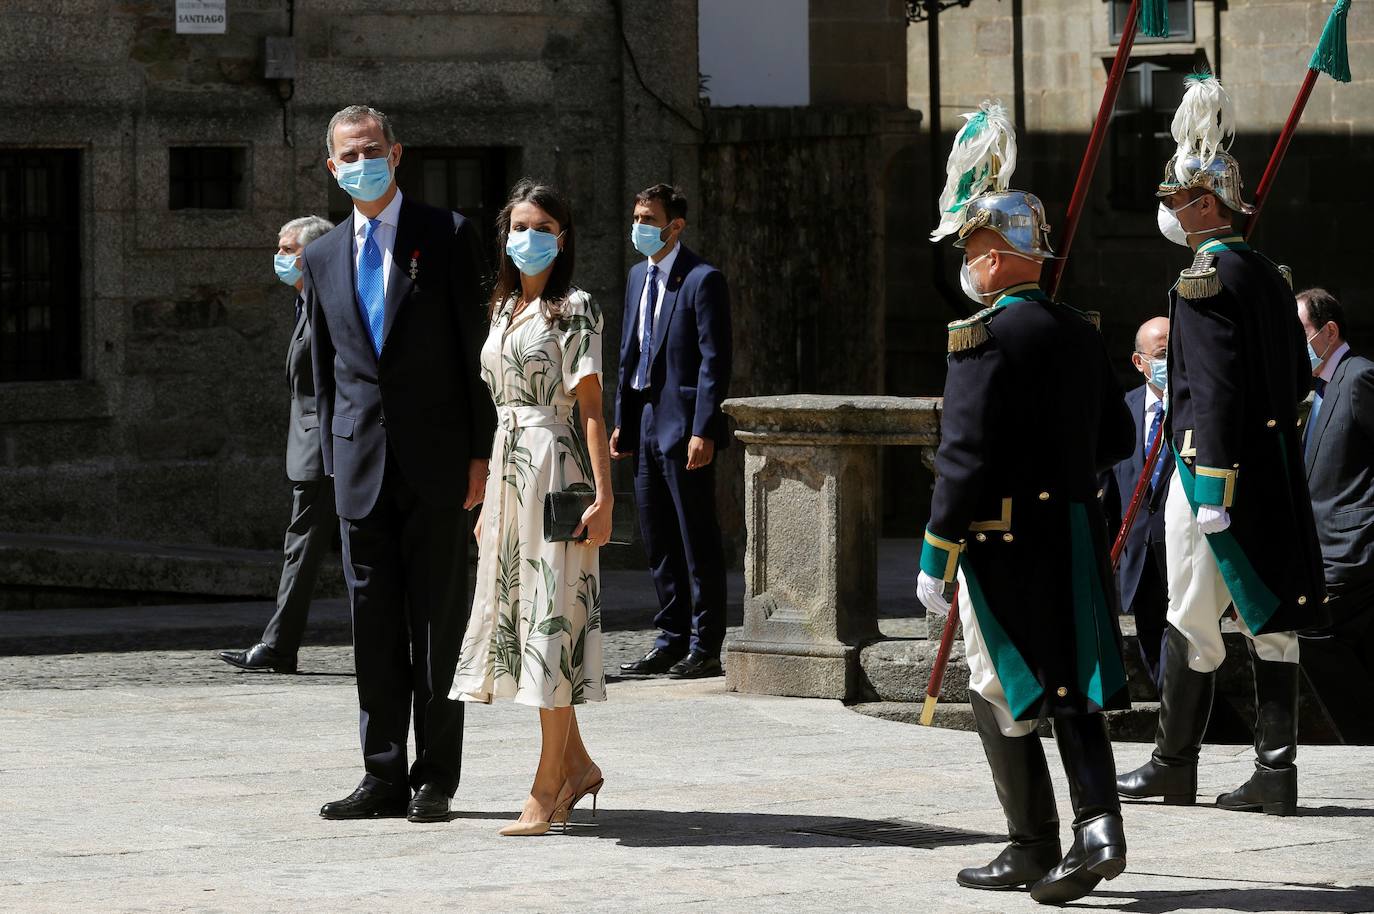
1032, 414
1238, 367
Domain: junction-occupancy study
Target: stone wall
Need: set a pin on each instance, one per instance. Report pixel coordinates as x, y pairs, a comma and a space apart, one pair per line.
175, 431
858, 53
792, 211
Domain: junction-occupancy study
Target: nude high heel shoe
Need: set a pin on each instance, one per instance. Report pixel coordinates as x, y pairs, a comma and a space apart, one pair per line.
533, 829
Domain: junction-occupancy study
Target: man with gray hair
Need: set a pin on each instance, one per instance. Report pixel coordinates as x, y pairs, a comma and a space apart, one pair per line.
313, 519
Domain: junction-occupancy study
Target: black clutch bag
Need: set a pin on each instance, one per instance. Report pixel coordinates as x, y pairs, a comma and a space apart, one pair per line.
564, 507
563, 512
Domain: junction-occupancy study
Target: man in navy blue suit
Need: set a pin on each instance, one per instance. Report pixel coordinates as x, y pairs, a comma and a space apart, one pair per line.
1141, 576
406, 427
674, 376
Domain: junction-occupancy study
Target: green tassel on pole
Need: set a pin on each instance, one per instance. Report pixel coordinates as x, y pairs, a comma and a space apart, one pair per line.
1331, 56
1154, 18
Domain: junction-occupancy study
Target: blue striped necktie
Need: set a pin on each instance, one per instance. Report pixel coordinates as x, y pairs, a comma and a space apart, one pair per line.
1156, 424
371, 289
646, 340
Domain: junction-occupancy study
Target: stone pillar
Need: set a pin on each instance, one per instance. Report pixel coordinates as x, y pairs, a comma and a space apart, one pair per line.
811, 487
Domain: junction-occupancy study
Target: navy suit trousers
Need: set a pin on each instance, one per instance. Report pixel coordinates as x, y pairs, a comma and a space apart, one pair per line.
677, 519
407, 573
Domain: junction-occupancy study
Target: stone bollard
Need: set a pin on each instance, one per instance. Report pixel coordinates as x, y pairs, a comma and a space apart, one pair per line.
810, 568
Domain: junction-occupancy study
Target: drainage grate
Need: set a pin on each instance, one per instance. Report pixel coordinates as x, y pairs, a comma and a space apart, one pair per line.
904, 834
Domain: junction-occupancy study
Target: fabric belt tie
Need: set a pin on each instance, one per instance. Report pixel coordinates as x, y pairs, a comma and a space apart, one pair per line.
514, 417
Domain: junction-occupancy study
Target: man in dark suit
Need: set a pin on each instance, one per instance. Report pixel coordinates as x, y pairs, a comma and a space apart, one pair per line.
1140, 575
312, 493
406, 427
675, 354
1339, 455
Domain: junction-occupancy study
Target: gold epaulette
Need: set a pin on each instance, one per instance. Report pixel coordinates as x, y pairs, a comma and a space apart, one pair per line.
1094, 318
1200, 280
971, 332
1287, 272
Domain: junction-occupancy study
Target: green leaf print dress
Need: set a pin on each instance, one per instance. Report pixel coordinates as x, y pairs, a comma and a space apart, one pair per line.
535, 630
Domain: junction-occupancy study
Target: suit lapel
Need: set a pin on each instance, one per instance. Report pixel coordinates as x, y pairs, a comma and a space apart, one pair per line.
1137, 404
1333, 396
296, 340
684, 262
634, 293
399, 283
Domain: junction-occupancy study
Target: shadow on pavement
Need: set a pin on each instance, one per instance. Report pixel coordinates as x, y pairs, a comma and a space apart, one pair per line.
680, 828
1337, 812
1299, 899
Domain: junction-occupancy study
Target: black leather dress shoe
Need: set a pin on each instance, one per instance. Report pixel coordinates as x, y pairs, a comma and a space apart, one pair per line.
260, 659
430, 804
696, 665
653, 663
367, 803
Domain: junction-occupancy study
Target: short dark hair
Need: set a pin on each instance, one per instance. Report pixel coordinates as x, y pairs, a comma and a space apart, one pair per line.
673, 201
1323, 308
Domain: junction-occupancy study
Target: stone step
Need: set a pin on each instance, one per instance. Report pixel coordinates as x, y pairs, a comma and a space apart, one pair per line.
1136, 725
40, 571
194, 626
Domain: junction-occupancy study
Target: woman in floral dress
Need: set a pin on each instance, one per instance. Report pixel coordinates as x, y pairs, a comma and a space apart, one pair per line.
534, 635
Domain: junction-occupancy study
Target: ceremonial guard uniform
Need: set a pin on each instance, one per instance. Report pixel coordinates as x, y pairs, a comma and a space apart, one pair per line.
1237, 368
1032, 414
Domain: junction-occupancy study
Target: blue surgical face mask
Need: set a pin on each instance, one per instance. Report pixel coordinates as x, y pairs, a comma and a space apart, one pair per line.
1159, 373
364, 179
647, 239
532, 250
285, 267
1312, 353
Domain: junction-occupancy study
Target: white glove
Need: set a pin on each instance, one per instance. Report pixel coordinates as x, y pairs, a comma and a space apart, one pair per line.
1212, 518
931, 594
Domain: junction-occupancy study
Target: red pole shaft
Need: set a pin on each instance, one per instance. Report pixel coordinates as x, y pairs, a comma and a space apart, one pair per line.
937, 671
1094, 151
1281, 149
1137, 498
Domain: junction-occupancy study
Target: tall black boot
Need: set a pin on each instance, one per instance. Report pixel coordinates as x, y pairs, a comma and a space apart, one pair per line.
1273, 788
1099, 838
1023, 788
1185, 705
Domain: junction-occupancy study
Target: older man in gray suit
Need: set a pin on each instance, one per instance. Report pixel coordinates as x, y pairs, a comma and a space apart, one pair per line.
313, 519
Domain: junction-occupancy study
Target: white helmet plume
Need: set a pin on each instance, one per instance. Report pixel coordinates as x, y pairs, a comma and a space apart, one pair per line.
982, 160
1204, 123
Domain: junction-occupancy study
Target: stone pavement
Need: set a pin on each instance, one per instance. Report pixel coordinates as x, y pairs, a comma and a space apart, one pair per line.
202, 797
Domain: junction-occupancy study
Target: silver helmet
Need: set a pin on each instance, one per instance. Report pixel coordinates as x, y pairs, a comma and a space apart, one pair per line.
1220, 175
1203, 128
1016, 215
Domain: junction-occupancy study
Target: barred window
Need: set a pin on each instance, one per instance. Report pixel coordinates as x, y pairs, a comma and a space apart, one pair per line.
40, 264
1140, 141
206, 177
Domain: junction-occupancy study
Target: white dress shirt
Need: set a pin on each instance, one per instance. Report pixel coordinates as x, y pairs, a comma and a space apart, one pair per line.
665, 266
384, 235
